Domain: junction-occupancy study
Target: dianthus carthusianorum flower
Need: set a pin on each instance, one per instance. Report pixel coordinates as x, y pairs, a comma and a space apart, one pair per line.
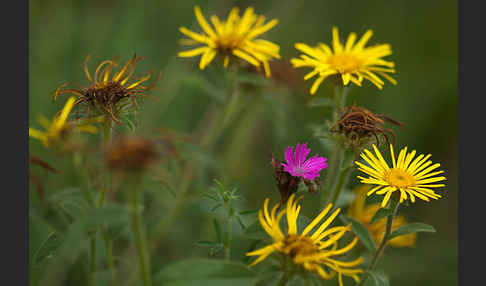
108, 95
316, 252
298, 166
59, 127
352, 61
411, 177
235, 37
364, 213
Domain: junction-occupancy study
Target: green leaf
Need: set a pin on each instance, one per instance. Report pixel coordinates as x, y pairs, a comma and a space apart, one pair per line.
377, 279
345, 198
361, 232
216, 249
322, 101
255, 231
217, 228
248, 212
380, 213
411, 228
254, 79
242, 225
48, 248
205, 243
216, 207
192, 272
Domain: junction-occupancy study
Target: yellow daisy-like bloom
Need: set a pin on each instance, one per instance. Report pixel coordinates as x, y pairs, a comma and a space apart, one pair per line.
314, 252
364, 213
58, 127
411, 177
234, 37
353, 61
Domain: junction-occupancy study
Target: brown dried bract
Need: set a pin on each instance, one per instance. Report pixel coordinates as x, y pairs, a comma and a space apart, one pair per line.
358, 122
104, 93
131, 154
34, 160
288, 184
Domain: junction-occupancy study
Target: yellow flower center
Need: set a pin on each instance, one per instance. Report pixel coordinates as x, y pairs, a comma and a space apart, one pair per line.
299, 245
344, 63
399, 178
228, 42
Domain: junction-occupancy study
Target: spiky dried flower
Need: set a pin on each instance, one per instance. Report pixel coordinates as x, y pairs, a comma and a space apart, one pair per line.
358, 122
110, 96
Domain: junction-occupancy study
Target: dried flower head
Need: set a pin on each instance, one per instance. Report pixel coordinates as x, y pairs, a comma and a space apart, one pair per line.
59, 128
408, 176
358, 122
107, 95
364, 213
131, 154
235, 37
316, 252
353, 62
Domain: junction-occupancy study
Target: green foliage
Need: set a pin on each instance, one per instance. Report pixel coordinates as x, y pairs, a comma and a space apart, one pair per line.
205, 272
411, 228
377, 279
380, 214
361, 232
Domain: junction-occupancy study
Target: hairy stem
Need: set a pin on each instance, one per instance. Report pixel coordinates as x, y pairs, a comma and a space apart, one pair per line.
394, 205
107, 139
143, 258
337, 155
343, 178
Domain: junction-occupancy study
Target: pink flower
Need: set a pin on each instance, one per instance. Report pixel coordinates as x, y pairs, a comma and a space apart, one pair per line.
298, 166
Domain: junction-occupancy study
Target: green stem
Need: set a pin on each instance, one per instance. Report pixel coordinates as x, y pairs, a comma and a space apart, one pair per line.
229, 229
337, 156
78, 162
343, 178
107, 138
109, 253
144, 259
394, 205
210, 136
227, 247
92, 261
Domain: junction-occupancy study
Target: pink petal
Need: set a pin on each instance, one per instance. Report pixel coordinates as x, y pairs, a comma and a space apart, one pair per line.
289, 157
301, 153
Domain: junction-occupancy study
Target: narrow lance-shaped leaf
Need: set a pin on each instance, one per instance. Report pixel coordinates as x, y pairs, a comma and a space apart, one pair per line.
411, 228
361, 232
380, 213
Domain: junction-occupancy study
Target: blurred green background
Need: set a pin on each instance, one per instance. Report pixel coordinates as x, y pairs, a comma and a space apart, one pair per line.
423, 36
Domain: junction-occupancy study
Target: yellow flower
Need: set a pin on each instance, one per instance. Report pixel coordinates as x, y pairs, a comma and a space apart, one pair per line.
58, 127
314, 252
410, 178
364, 213
353, 61
108, 95
234, 37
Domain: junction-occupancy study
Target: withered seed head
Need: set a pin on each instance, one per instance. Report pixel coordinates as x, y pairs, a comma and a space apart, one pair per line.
105, 94
131, 154
358, 122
